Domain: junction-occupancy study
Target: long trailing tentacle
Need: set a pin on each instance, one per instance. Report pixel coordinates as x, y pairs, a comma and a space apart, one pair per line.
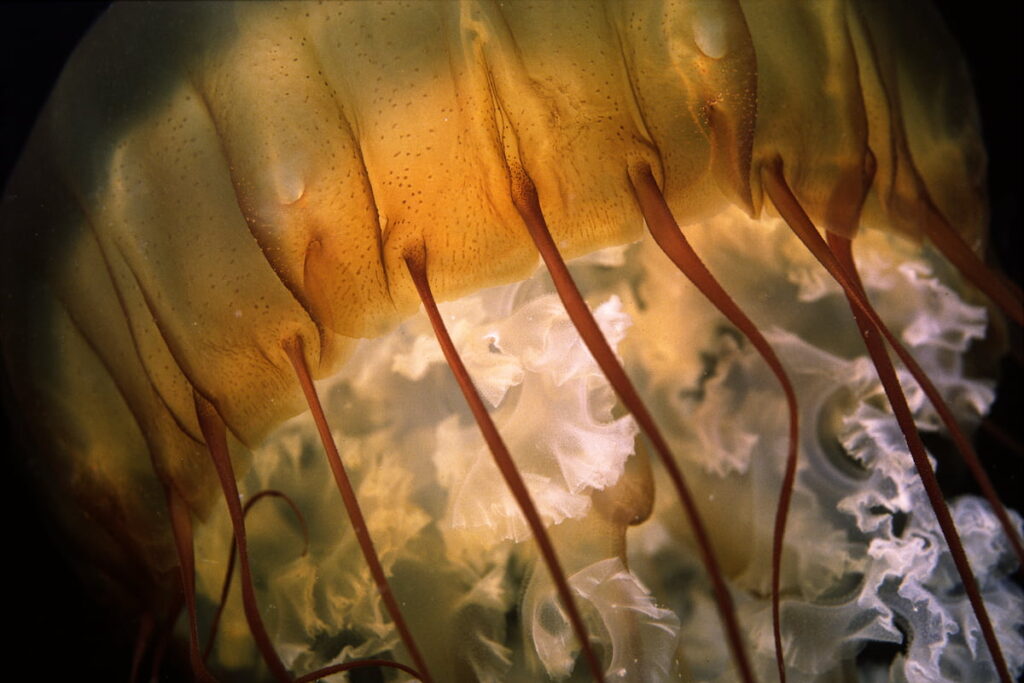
842, 249
794, 215
233, 554
673, 243
847, 278
1006, 295
348, 495
215, 433
893, 391
181, 527
527, 203
416, 262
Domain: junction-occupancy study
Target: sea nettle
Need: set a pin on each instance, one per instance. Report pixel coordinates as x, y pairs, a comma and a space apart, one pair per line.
618, 449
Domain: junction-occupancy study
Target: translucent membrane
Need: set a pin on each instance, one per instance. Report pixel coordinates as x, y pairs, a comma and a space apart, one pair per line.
863, 560
670, 238
870, 323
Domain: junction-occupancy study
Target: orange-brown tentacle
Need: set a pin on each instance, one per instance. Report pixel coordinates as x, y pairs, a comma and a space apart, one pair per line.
842, 249
794, 215
1004, 293
416, 263
673, 243
232, 554
848, 274
181, 528
215, 433
894, 392
295, 355
525, 199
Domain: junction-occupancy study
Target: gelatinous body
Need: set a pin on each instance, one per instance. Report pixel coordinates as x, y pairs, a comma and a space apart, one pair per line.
181, 217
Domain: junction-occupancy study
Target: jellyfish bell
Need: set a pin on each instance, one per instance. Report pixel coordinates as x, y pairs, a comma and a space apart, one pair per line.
593, 503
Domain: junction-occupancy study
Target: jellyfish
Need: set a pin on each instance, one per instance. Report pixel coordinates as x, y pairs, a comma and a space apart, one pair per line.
855, 518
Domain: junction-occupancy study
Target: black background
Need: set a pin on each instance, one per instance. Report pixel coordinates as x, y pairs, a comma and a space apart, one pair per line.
57, 631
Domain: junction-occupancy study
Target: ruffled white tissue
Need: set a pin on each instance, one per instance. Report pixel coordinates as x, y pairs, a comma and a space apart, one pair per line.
864, 560
620, 613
